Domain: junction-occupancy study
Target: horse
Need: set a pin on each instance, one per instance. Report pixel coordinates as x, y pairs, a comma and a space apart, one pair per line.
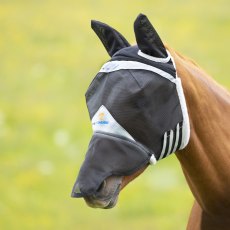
150, 101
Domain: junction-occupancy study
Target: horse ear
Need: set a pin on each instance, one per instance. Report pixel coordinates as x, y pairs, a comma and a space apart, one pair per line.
111, 39
147, 38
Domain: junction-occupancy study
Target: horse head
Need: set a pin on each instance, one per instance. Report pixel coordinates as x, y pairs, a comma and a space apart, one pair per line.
138, 113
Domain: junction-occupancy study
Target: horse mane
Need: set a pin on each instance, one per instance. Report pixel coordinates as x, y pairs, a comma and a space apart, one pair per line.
189, 65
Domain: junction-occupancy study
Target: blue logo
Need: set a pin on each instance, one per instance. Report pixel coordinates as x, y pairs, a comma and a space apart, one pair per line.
102, 120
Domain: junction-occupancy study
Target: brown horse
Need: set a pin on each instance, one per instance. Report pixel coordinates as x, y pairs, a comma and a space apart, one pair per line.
205, 161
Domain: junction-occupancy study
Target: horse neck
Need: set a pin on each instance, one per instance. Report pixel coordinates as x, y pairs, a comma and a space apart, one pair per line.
206, 159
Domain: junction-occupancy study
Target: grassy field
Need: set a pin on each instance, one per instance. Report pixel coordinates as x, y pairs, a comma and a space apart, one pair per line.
48, 56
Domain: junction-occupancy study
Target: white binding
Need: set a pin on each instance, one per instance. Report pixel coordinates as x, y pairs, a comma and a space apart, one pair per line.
122, 65
155, 59
186, 125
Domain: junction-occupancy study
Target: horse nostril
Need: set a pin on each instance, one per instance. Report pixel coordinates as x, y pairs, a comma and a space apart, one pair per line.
102, 186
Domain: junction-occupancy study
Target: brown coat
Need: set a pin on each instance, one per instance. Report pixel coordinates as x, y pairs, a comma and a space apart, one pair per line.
206, 160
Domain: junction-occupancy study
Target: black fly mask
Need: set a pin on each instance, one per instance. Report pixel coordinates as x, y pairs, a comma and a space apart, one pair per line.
136, 105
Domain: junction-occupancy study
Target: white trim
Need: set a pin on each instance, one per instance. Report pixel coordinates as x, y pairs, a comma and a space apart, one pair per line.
177, 137
170, 142
164, 146
122, 65
155, 59
186, 125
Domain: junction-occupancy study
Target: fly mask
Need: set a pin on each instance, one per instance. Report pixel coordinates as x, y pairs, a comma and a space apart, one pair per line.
136, 105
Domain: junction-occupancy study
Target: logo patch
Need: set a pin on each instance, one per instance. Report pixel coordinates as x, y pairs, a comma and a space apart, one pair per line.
103, 121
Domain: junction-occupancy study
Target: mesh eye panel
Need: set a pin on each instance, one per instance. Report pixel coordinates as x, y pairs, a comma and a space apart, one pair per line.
142, 102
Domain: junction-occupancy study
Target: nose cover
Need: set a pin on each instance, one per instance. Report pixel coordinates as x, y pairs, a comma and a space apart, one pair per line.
136, 105
108, 155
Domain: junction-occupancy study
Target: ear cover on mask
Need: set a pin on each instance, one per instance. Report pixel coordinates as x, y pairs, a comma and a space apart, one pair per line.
111, 39
147, 38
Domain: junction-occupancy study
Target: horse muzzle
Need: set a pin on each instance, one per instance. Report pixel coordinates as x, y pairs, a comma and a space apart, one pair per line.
107, 160
107, 194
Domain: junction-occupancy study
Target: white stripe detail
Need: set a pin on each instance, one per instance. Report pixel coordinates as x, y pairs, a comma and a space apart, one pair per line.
103, 121
164, 146
170, 143
177, 137
155, 59
122, 65
186, 125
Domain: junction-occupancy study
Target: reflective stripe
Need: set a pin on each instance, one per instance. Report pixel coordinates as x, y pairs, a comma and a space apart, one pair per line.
122, 65
177, 138
185, 125
164, 146
170, 143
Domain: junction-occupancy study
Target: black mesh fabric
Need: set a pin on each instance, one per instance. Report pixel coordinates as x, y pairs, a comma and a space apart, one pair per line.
108, 155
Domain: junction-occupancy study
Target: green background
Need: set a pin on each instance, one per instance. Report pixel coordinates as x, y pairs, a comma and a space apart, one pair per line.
48, 57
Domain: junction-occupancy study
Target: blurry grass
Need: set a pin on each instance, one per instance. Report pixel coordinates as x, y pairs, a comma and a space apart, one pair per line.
48, 57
